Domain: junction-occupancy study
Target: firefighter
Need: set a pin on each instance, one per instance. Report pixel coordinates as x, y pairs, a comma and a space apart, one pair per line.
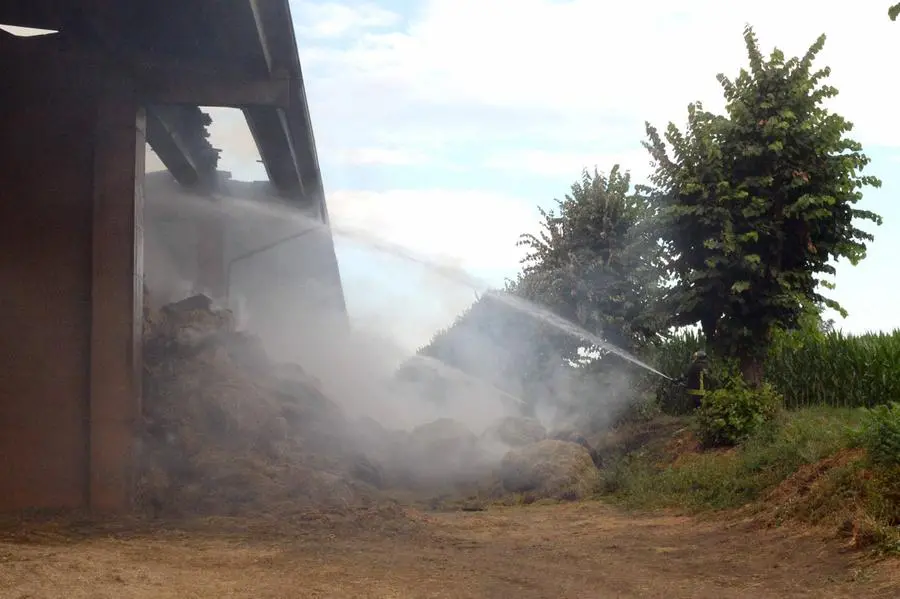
697, 379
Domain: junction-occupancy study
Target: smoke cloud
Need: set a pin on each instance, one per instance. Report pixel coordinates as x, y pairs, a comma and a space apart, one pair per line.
281, 285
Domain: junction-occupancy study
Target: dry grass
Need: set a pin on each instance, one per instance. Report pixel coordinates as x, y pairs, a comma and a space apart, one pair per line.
558, 552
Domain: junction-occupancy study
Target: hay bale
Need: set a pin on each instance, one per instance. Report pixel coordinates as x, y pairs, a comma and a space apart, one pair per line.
570, 436
516, 431
551, 469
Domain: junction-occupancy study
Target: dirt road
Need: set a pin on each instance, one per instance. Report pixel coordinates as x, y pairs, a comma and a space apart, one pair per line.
578, 550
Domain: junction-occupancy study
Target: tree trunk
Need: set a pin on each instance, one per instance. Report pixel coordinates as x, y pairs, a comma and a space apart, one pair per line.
752, 370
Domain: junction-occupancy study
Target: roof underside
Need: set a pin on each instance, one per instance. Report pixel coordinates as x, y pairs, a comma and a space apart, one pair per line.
186, 54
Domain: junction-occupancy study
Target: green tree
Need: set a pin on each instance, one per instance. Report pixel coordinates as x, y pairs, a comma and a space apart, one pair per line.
755, 204
894, 11
593, 263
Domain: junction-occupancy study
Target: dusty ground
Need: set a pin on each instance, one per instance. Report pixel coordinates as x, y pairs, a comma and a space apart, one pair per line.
576, 550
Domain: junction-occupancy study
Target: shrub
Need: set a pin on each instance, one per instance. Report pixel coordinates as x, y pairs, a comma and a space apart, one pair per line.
879, 435
734, 412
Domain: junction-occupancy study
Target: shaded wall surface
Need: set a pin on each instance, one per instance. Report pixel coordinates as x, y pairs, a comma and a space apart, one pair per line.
67, 253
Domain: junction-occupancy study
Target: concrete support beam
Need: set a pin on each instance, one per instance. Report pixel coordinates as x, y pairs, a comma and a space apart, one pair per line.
204, 83
271, 132
182, 86
178, 135
172, 149
117, 301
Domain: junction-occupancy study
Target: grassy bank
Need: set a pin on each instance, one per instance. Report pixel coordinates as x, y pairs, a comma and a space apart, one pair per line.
805, 466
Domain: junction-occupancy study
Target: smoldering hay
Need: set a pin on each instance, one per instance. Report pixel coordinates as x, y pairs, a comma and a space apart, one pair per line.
229, 431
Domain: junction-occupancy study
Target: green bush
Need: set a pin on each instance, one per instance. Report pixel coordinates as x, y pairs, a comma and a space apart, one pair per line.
734, 412
879, 435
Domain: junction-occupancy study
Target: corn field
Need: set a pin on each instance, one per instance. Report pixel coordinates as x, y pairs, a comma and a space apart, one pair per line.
814, 368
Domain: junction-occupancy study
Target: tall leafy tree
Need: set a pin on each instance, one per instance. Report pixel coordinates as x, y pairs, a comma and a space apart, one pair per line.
894, 11
755, 204
594, 264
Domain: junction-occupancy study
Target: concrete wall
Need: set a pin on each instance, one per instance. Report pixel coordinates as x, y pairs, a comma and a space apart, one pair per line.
46, 203
67, 395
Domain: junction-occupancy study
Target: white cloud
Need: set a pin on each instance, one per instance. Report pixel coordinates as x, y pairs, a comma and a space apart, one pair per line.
569, 164
383, 156
583, 60
327, 20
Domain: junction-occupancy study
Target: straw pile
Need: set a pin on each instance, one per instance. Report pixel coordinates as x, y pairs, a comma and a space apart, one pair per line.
228, 432
550, 469
516, 431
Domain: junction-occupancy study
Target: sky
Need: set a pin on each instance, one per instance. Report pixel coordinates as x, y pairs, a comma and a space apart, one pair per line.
442, 125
